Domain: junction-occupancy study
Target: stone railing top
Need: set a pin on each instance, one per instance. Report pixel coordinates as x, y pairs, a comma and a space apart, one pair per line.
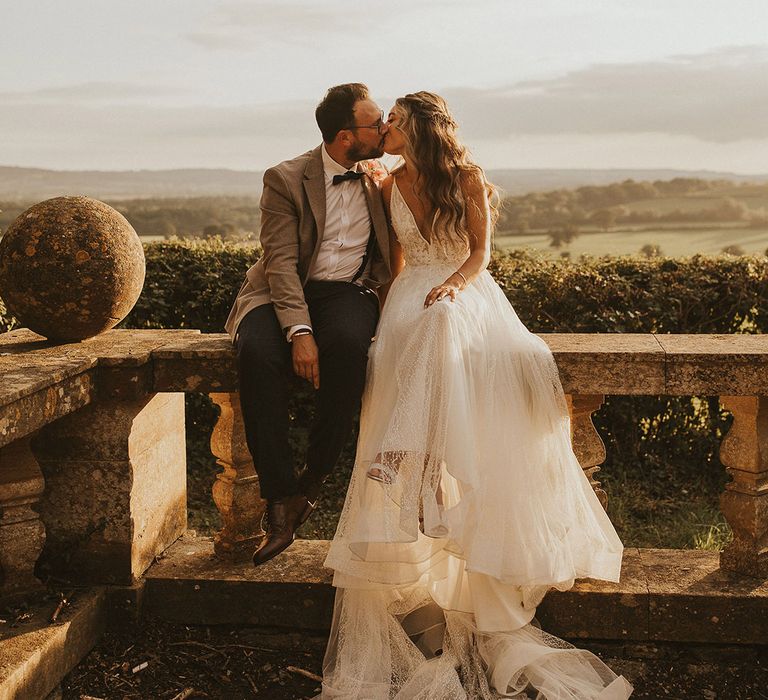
42, 381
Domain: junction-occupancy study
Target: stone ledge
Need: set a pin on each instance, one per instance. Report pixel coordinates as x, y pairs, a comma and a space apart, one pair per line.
714, 365
205, 363
189, 585
630, 363
35, 657
43, 381
40, 376
664, 595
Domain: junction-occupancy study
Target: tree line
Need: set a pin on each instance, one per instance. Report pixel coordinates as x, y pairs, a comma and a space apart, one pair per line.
606, 206
230, 218
562, 214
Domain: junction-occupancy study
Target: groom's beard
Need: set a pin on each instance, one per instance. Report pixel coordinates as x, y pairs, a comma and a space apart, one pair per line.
362, 152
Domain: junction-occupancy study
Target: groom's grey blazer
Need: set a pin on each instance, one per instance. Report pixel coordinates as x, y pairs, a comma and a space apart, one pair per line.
292, 222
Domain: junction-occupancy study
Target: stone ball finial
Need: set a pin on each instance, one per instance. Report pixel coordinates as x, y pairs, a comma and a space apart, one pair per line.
70, 268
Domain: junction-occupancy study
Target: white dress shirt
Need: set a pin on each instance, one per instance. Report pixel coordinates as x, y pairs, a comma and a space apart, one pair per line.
347, 229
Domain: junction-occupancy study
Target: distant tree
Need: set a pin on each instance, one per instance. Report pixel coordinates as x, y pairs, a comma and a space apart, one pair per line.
758, 218
562, 235
733, 210
604, 218
166, 228
636, 191
681, 185
651, 250
733, 250
226, 231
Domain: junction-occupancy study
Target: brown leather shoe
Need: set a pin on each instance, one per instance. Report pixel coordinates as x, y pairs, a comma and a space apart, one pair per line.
284, 516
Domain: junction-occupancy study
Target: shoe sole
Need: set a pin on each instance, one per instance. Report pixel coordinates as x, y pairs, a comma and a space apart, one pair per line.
274, 554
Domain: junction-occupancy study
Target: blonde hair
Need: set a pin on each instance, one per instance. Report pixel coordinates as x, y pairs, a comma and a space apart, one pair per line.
441, 160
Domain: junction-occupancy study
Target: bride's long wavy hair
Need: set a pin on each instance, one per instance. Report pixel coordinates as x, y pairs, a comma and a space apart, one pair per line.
441, 160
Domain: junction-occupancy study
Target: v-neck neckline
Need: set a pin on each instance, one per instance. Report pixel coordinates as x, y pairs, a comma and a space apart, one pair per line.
413, 218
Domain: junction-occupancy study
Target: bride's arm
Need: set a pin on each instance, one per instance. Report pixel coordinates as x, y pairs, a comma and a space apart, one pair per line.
396, 259
478, 216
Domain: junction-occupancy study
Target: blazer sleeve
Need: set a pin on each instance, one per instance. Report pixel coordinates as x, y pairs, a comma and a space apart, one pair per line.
280, 242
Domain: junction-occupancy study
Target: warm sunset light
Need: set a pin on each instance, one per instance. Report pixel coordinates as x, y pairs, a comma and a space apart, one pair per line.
553, 84
401, 350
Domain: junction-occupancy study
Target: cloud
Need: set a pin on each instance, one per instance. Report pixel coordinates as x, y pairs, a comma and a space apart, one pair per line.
67, 135
92, 92
243, 26
714, 105
721, 96
240, 26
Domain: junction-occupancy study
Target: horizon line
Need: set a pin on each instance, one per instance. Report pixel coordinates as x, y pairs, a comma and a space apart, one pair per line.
239, 170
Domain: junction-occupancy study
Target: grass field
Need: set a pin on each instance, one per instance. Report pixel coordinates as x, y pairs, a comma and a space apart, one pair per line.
674, 243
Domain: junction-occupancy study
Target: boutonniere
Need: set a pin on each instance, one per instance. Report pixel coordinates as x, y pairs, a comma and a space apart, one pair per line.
374, 169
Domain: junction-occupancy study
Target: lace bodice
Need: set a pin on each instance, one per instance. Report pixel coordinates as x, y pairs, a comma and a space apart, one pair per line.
416, 249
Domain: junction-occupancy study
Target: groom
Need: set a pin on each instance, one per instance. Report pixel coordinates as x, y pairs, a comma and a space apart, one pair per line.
308, 305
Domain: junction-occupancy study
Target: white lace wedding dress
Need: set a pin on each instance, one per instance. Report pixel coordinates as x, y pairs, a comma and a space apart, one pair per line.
466, 504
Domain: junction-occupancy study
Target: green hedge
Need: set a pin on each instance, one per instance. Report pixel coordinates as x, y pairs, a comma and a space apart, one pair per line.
191, 284
662, 451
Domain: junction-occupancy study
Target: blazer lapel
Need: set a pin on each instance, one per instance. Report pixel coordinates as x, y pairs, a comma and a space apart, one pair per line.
314, 186
378, 217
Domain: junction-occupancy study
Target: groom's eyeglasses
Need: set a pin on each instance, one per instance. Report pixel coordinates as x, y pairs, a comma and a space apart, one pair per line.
379, 123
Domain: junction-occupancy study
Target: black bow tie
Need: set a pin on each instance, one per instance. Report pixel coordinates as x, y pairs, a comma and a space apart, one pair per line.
349, 175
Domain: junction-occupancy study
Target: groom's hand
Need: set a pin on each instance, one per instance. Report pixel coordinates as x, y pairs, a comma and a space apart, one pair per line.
306, 361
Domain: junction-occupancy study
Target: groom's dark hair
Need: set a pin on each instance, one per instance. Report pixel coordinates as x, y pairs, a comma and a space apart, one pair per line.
335, 113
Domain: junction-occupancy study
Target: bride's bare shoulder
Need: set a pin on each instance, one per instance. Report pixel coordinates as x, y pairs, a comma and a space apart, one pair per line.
472, 181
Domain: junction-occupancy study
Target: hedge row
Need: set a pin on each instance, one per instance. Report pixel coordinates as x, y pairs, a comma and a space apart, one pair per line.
670, 443
191, 284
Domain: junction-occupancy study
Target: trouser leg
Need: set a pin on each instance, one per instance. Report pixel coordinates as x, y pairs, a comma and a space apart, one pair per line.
264, 367
344, 318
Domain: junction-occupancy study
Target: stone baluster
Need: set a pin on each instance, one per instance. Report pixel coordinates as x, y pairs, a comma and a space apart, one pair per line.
236, 490
744, 452
22, 533
587, 444
115, 497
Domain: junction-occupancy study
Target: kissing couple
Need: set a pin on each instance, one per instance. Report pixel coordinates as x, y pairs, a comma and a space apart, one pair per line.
466, 503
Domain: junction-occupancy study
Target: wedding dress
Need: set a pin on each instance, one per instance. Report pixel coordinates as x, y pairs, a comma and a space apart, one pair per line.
465, 506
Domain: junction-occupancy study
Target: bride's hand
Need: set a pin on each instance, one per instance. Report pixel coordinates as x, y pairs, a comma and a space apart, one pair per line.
440, 292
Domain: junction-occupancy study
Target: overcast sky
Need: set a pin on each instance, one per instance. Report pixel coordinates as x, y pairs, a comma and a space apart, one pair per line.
129, 84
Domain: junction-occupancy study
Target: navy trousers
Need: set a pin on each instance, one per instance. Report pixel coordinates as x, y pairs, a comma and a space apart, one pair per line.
344, 318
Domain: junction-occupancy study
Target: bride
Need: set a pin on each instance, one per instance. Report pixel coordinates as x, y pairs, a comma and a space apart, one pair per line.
466, 503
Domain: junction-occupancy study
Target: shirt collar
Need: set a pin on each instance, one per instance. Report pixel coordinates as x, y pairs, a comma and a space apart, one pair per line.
331, 167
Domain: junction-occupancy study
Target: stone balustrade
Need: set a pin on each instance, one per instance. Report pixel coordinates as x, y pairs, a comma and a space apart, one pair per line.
92, 447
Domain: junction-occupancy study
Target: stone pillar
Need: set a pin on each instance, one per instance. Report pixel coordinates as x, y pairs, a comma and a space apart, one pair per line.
22, 533
588, 446
116, 489
744, 452
236, 490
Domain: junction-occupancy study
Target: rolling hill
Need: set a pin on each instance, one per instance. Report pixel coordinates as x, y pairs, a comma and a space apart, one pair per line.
31, 184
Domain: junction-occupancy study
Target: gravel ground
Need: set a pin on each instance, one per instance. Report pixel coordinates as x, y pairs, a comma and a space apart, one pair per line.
241, 662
